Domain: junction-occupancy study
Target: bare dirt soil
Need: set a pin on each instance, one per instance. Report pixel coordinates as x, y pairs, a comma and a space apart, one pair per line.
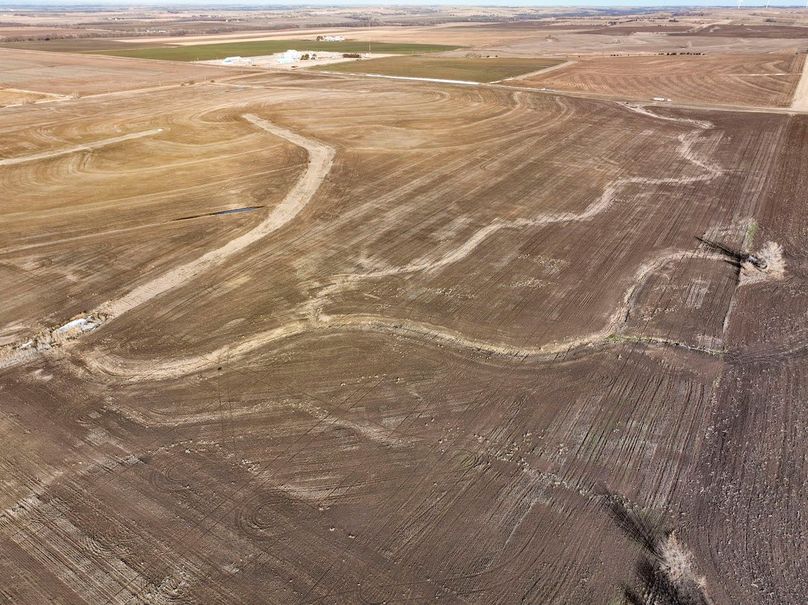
754, 80
310, 338
754, 31
800, 99
19, 97
80, 75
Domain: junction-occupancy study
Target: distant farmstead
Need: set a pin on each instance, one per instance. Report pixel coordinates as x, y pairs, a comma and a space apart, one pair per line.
290, 56
330, 38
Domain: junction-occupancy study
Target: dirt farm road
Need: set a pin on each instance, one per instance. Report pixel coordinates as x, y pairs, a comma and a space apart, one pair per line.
320, 159
86, 147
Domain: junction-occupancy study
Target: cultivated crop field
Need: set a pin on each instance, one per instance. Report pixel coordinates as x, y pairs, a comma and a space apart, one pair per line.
304, 337
209, 52
737, 79
754, 31
474, 69
69, 74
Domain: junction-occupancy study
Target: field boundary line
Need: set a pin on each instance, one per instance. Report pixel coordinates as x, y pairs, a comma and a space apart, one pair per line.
537, 72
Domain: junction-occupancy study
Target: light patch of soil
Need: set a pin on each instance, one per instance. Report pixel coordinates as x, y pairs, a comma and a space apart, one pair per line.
800, 100
772, 254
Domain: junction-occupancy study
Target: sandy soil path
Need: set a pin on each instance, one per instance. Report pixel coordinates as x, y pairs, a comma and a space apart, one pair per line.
537, 72
84, 147
800, 99
320, 159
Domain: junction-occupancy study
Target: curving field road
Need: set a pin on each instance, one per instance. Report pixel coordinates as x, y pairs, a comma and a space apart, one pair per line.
319, 164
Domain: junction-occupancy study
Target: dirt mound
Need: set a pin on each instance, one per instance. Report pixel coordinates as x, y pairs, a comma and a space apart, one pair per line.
772, 267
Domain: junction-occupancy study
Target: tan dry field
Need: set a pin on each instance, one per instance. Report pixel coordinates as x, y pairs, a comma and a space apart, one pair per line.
12, 32
446, 33
11, 96
46, 30
582, 44
800, 99
71, 74
464, 345
753, 31
735, 79
531, 38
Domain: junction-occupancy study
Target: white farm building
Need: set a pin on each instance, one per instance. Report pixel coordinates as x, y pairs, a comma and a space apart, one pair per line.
289, 56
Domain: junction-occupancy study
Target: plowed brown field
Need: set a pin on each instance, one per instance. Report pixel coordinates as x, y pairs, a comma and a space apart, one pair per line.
752, 80
81, 75
754, 31
457, 344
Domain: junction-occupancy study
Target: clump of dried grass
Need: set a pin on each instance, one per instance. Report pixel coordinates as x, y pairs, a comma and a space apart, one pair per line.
771, 253
675, 561
667, 568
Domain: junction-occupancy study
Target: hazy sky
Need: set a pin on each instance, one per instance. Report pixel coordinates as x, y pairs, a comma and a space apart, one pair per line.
515, 3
